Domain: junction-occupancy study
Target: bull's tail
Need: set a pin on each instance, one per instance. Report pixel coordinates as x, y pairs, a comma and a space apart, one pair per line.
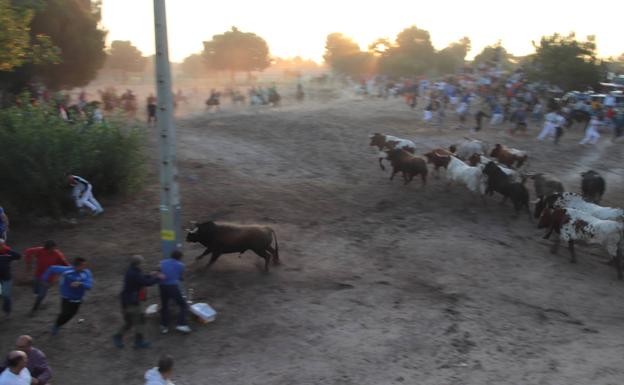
276, 260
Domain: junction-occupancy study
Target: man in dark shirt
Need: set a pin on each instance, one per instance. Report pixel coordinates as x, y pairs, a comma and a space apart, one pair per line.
37, 361
134, 285
478, 118
6, 257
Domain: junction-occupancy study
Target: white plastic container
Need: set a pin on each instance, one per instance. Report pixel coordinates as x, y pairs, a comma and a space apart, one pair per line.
152, 309
204, 312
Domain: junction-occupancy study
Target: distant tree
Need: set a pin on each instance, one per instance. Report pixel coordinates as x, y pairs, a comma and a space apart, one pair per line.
237, 51
494, 55
293, 67
412, 54
195, 66
452, 57
379, 46
566, 62
616, 64
17, 47
344, 56
125, 57
73, 27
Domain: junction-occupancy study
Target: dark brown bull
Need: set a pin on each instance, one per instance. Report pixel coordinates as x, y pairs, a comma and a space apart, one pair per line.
408, 164
221, 238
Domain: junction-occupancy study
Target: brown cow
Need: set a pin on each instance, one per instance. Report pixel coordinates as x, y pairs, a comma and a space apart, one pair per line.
509, 156
439, 157
408, 164
388, 142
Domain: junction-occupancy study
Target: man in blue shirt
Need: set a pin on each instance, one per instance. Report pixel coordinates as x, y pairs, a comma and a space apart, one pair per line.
172, 268
75, 281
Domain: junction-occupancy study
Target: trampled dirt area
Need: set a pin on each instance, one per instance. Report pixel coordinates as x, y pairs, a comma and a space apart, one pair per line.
380, 283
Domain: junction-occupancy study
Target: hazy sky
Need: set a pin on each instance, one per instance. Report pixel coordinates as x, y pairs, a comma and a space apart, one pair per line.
293, 27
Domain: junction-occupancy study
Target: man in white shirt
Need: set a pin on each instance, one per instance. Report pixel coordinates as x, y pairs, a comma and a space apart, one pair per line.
609, 101
550, 125
591, 133
82, 192
160, 375
16, 372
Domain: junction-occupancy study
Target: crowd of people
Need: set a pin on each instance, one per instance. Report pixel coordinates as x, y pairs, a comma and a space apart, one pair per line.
506, 100
46, 264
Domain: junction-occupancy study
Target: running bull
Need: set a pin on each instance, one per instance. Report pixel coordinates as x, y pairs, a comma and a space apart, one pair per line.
222, 238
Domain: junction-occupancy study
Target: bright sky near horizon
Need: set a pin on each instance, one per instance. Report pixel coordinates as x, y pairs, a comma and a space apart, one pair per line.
297, 28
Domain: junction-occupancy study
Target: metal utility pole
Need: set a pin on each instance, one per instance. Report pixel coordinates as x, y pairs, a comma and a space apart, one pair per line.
170, 208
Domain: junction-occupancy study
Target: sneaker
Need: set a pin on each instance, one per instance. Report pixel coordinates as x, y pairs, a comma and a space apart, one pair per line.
117, 341
164, 329
142, 344
183, 329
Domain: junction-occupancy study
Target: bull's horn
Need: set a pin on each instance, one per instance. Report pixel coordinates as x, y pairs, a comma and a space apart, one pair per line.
535, 201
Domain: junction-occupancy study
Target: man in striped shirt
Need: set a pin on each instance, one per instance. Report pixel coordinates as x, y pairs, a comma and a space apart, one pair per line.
82, 192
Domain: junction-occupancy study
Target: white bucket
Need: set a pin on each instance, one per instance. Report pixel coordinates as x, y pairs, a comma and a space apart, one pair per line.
204, 312
152, 309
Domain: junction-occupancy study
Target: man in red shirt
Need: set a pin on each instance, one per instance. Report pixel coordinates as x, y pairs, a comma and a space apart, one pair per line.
44, 257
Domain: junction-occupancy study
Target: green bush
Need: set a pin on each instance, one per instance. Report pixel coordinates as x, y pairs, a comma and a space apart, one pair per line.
38, 148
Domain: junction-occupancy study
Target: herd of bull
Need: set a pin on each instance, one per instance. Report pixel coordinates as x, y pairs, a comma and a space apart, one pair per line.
571, 216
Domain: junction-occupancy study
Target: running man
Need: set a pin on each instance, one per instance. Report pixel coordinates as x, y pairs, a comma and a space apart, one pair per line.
82, 192
43, 257
75, 281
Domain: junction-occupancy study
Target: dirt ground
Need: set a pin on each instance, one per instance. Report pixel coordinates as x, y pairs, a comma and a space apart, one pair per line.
380, 284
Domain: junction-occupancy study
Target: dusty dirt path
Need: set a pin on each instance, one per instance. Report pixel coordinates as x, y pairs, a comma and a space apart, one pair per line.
381, 283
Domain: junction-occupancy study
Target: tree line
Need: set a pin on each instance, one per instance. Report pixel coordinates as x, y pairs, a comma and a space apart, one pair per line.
560, 60
61, 44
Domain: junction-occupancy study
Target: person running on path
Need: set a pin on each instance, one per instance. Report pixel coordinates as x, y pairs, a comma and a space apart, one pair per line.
151, 110
75, 281
550, 125
43, 257
6, 283
479, 118
172, 268
591, 133
131, 296
4, 224
82, 192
